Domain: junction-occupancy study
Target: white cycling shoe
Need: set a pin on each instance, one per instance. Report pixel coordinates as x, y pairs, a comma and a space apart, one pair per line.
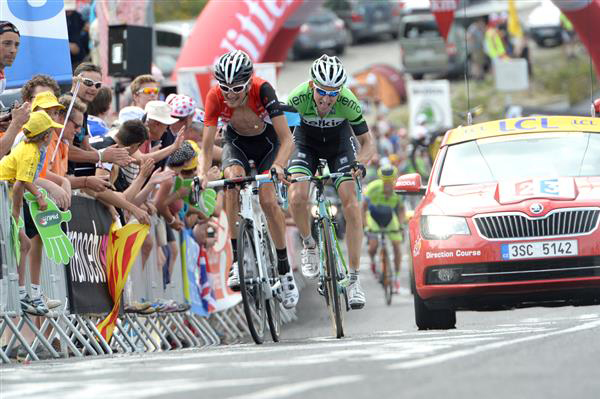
310, 262
233, 281
290, 295
356, 296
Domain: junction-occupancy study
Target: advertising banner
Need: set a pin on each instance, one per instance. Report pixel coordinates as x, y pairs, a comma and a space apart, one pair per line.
429, 106
264, 29
86, 273
44, 40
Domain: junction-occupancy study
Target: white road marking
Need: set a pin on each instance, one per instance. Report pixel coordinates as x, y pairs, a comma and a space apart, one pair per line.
282, 391
496, 345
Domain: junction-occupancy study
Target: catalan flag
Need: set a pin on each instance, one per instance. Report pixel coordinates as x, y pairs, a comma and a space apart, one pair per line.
123, 246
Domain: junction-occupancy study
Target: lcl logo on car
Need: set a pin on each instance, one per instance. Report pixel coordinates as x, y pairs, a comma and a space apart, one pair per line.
536, 208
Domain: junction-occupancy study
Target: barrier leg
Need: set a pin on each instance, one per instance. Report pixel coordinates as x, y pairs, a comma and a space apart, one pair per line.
4, 358
16, 330
233, 314
126, 336
163, 338
82, 324
40, 336
139, 338
170, 332
116, 340
92, 326
205, 335
193, 341
221, 320
134, 321
63, 333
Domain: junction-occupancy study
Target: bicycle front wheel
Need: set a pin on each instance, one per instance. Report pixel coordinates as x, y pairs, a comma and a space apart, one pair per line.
253, 297
333, 291
273, 307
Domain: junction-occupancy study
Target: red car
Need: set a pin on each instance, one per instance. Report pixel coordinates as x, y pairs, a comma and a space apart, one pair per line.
509, 219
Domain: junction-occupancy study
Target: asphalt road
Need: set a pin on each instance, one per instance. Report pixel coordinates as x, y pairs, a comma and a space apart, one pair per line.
531, 353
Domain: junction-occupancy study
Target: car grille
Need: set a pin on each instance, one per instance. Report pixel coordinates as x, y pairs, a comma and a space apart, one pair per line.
523, 270
562, 222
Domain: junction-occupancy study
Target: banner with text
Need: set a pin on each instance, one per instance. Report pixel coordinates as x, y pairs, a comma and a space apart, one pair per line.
86, 273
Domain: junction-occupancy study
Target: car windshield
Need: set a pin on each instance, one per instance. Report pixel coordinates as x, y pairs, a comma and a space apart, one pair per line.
521, 156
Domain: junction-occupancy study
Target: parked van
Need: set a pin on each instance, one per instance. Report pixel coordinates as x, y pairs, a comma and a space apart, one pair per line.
424, 51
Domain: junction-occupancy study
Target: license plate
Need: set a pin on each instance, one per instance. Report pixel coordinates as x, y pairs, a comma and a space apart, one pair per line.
327, 44
380, 27
543, 249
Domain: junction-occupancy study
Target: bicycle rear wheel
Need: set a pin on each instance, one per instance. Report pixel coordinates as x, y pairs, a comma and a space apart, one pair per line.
333, 291
273, 307
253, 297
388, 284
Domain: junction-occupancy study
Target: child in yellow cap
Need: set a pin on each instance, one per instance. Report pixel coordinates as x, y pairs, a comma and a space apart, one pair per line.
20, 168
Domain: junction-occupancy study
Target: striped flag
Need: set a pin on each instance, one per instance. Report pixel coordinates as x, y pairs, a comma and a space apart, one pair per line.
124, 245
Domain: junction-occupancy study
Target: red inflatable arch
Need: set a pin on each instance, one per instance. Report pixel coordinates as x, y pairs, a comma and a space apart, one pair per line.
585, 16
265, 29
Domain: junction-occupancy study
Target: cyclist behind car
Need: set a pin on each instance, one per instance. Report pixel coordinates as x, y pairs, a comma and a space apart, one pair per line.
256, 130
331, 122
384, 211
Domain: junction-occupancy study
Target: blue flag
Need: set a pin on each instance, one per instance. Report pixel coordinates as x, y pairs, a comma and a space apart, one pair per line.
44, 40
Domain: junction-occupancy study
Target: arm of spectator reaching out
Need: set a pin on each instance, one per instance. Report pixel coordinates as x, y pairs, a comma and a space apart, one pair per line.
20, 116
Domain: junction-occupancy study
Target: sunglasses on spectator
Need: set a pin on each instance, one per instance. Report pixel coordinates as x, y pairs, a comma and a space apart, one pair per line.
76, 125
90, 83
148, 90
235, 89
322, 92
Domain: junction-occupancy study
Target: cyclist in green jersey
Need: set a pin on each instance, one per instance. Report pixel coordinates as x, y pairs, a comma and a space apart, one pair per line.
331, 124
384, 211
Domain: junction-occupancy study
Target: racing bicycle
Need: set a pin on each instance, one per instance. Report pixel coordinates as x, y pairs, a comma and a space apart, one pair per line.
260, 285
334, 276
387, 268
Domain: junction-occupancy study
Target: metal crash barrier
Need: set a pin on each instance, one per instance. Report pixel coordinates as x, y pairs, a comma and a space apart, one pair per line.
193, 309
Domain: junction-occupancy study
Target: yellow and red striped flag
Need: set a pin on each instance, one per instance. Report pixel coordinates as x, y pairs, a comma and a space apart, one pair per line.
123, 247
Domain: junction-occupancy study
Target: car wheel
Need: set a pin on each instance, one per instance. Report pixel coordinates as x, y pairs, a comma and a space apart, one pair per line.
411, 275
428, 319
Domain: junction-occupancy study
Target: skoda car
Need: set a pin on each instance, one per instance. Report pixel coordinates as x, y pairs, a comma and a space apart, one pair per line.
509, 218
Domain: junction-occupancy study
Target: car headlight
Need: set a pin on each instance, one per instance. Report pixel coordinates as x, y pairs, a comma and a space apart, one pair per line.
443, 227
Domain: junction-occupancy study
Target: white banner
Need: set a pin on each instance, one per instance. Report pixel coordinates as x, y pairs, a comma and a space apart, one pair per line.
429, 105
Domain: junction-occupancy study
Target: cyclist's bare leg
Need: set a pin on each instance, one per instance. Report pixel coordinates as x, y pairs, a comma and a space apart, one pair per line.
299, 206
273, 213
397, 255
354, 226
372, 248
232, 198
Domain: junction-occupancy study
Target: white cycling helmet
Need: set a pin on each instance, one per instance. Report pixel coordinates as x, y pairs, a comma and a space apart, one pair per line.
328, 71
235, 66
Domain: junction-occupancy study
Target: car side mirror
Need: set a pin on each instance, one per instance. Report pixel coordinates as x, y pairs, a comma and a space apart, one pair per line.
409, 184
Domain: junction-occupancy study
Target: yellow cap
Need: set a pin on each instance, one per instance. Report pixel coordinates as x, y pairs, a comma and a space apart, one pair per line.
192, 163
45, 100
39, 122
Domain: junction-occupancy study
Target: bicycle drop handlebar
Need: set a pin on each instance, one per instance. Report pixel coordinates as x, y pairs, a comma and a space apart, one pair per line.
239, 182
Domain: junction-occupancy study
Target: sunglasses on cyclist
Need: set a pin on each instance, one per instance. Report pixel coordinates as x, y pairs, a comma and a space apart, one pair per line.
90, 83
332, 93
148, 90
235, 89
